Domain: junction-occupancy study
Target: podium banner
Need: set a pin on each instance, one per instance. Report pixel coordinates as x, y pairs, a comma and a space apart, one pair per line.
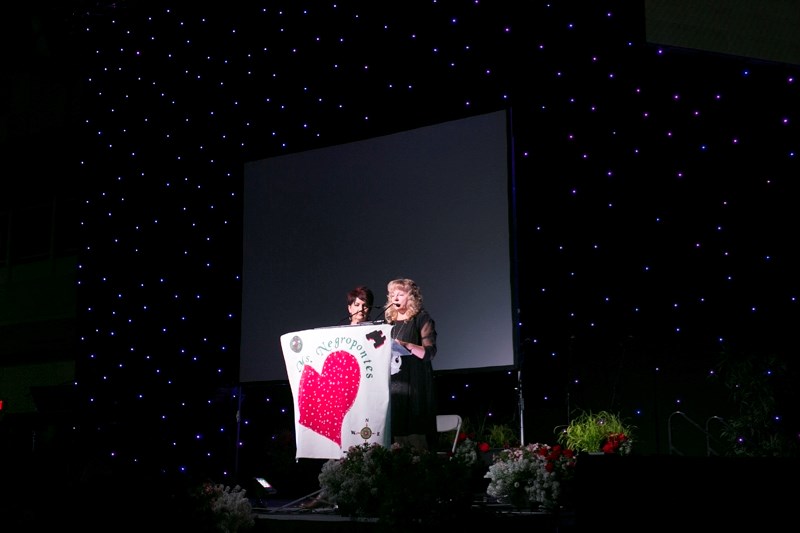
339, 378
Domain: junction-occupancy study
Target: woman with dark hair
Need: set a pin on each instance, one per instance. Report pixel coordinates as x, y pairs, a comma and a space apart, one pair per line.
359, 304
413, 402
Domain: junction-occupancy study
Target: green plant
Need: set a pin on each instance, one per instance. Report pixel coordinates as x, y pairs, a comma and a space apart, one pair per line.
502, 436
498, 435
759, 385
396, 485
596, 432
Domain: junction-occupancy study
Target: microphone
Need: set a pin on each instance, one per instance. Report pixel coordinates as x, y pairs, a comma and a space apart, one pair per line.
368, 311
379, 320
351, 315
385, 307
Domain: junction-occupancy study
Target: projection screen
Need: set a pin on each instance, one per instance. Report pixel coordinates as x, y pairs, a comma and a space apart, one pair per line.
432, 204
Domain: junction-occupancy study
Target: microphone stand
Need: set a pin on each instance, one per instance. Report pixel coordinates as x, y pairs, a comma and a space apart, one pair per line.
345, 321
525, 357
382, 314
348, 317
521, 401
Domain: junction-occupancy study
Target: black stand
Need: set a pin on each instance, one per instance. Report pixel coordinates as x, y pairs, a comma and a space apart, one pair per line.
525, 356
521, 400
239, 398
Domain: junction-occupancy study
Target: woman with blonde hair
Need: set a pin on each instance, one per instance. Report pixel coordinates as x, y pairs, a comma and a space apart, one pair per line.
413, 401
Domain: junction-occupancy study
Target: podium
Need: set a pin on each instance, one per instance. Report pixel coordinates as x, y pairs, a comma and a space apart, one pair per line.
339, 377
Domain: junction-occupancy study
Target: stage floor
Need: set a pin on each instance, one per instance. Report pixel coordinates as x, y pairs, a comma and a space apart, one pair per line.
297, 515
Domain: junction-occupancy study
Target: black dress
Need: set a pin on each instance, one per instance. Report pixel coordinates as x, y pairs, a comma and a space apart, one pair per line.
413, 402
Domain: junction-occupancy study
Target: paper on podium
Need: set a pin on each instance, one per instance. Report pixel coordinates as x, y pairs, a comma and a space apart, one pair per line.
398, 352
399, 349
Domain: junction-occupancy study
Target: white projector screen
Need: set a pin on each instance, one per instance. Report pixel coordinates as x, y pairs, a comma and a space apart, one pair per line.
431, 204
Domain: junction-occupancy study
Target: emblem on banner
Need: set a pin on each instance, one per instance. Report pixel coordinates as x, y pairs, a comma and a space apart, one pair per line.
296, 344
366, 432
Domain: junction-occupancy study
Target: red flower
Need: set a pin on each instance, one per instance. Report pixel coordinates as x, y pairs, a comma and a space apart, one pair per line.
542, 451
613, 442
483, 447
555, 453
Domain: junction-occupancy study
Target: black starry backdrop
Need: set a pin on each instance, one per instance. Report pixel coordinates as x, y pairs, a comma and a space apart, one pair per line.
654, 191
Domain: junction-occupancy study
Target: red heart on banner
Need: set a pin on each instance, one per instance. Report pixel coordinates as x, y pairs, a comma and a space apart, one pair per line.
324, 399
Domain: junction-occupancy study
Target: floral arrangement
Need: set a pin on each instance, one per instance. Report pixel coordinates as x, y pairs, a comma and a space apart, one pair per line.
533, 476
468, 450
474, 458
230, 509
618, 443
592, 432
396, 484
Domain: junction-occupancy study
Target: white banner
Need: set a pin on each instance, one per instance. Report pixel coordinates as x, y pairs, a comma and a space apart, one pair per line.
340, 382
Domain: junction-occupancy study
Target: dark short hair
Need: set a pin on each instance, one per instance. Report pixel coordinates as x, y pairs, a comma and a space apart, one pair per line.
363, 292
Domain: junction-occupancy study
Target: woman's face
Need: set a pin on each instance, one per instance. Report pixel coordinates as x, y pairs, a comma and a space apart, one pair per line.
358, 310
399, 297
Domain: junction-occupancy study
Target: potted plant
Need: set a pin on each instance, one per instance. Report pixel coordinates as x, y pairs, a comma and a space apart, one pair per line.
488, 439
502, 436
497, 435
226, 508
533, 476
596, 432
397, 485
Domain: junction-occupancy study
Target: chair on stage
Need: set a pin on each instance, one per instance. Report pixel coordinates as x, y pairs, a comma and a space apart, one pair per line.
446, 424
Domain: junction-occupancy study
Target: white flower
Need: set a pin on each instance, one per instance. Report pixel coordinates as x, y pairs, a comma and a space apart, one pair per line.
530, 475
232, 510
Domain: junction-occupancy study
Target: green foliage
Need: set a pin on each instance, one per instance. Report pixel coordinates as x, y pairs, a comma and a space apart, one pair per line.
502, 436
497, 435
760, 386
397, 485
590, 432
